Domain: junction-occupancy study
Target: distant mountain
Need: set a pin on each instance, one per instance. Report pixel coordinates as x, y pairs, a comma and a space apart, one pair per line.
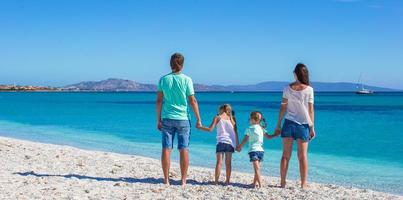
346, 87
319, 86
206, 88
114, 84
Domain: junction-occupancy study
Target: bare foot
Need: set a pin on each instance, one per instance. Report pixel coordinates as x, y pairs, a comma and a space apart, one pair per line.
282, 184
166, 183
226, 182
184, 184
305, 186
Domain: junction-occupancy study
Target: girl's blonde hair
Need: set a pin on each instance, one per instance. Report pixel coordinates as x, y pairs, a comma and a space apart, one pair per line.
257, 116
225, 108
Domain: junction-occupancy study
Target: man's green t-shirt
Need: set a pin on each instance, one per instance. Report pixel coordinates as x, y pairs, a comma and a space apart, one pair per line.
176, 88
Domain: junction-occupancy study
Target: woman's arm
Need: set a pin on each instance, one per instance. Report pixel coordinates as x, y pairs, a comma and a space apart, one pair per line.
212, 125
195, 106
312, 116
267, 136
160, 95
239, 147
283, 108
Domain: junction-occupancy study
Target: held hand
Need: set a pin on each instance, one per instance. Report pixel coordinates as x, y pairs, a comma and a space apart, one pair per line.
159, 125
238, 148
199, 124
277, 132
312, 133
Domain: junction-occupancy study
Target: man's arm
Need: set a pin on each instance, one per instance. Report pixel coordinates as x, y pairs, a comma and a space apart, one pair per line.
211, 127
160, 96
195, 106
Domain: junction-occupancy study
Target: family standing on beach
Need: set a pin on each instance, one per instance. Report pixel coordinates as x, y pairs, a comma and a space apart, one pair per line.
175, 93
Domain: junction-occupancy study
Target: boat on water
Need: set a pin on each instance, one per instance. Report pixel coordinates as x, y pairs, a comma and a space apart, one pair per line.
361, 89
364, 91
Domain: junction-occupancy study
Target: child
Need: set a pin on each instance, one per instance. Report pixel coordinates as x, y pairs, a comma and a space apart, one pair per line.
254, 133
227, 139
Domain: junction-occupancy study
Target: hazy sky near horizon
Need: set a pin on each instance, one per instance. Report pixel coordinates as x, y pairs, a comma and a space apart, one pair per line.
48, 42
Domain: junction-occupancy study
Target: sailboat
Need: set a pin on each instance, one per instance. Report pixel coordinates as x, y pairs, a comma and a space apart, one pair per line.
361, 89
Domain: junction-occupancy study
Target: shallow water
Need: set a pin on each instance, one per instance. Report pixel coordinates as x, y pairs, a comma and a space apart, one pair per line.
358, 139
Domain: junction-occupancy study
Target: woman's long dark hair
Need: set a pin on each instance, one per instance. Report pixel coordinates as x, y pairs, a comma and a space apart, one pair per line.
301, 71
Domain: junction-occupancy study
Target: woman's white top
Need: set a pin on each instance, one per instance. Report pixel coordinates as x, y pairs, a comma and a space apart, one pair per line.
225, 132
297, 106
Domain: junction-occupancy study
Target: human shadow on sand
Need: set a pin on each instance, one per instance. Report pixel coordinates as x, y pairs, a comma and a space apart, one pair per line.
148, 180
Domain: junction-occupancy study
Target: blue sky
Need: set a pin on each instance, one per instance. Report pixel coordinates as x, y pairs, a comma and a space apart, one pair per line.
224, 41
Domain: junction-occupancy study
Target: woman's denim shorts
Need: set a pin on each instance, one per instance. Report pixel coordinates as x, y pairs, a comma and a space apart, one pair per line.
170, 127
294, 130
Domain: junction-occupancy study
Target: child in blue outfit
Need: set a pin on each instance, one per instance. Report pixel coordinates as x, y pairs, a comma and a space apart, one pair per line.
254, 134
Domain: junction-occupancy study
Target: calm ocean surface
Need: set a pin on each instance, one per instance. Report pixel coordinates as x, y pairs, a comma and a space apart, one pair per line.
359, 138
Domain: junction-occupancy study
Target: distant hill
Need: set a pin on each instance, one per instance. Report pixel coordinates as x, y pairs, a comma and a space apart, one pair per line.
319, 86
111, 84
114, 84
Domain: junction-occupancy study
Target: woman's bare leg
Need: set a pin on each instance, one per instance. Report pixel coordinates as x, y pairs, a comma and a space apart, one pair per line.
303, 161
285, 159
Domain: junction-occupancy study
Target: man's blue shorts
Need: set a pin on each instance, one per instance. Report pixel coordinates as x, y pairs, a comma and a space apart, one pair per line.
170, 127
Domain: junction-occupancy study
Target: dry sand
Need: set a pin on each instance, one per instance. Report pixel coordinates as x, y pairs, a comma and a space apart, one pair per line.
31, 170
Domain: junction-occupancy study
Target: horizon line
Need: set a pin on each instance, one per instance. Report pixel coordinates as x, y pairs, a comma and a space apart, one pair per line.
203, 84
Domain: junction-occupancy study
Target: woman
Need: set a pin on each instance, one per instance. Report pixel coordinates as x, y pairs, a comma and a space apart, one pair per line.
299, 122
174, 89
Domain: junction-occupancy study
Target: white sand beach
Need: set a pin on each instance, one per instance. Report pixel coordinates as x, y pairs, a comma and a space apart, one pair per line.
32, 170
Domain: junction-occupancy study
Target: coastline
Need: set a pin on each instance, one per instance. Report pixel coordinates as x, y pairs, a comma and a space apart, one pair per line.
197, 91
38, 170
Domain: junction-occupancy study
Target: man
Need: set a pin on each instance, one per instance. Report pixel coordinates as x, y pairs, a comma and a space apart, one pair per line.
174, 89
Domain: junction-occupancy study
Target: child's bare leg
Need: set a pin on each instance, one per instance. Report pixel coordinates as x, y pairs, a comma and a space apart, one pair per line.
218, 167
254, 180
228, 167
256, 167
254, 183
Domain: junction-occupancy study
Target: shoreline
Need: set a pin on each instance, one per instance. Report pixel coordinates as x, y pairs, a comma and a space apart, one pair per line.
212, 91
37, 170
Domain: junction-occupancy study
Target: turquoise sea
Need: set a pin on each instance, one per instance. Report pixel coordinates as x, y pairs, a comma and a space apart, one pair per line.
359, 138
